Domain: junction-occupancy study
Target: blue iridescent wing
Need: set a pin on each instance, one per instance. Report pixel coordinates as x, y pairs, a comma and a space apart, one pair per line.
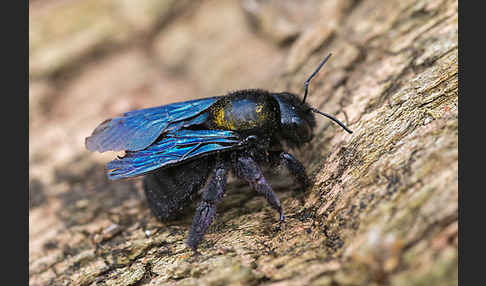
136, 130
174, 148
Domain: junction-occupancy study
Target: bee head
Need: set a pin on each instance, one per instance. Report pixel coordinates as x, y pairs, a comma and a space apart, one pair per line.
297, 117
296, 120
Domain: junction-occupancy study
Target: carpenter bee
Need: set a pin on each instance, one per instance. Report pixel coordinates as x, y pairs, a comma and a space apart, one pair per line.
185, 147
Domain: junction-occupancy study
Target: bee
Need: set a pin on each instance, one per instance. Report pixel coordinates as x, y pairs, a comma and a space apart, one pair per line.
190, 147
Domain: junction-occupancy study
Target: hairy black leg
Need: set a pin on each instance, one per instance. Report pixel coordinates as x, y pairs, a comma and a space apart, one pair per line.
158, 199
246, 168
292, 164
212, 194
169, 191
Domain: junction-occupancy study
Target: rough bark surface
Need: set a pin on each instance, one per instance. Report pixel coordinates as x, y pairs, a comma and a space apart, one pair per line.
382, 207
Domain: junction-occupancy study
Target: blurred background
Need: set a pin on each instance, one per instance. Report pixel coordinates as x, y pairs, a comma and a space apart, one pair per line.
94, 59
90, 60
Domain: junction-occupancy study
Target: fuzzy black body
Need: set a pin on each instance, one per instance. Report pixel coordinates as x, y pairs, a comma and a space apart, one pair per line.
268, 122
273, 118
170, 190
246, 112
190, 147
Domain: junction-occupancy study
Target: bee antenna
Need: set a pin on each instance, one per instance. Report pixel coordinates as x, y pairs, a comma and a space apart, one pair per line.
333, 119
306, 84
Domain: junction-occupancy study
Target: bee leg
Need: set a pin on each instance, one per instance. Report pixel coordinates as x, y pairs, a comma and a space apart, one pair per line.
169, 191
159, 197
212, 194
246, 168
292, 164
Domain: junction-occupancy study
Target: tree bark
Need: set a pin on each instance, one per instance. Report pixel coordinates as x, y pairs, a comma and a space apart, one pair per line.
382, 206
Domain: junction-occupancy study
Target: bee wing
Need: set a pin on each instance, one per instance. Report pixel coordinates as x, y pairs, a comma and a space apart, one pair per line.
136, 130
174, 148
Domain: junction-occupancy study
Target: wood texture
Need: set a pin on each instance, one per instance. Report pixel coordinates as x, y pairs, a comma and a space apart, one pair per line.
382, 208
